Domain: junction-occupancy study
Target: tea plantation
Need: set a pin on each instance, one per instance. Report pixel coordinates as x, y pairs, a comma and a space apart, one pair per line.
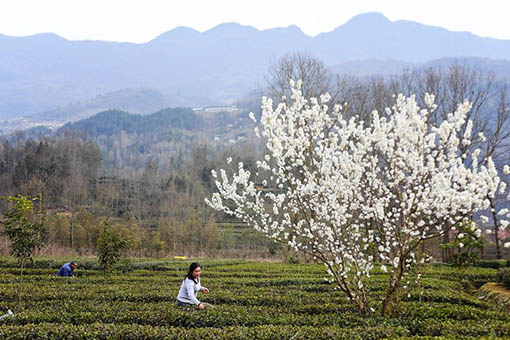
253, 301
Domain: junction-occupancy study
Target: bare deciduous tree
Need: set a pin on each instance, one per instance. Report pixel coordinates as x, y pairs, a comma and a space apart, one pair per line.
316, 77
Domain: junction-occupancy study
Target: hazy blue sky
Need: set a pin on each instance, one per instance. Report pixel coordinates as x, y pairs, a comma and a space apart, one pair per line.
140, 21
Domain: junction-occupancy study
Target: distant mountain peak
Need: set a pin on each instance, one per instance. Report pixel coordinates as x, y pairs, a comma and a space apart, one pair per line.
44, 37
230, 27
369, 18
371, 22
183, 30
290, 29
179, 32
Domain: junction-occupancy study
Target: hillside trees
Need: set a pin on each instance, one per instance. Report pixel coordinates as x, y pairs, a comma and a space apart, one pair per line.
156, 168
316, 77
47, 167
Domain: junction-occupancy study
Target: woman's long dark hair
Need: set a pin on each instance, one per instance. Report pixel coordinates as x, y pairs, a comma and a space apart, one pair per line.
192, 267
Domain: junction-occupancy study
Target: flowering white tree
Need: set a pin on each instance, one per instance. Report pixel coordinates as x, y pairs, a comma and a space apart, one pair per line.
351, 192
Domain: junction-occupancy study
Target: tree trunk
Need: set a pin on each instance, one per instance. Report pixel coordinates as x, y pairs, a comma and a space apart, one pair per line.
445, 252
496, 236
389, 296
71, 237
394, 285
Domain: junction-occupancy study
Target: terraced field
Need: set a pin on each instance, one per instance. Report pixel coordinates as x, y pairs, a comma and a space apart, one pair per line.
253, 301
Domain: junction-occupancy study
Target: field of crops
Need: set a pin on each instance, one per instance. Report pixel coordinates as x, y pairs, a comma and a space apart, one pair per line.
253, 301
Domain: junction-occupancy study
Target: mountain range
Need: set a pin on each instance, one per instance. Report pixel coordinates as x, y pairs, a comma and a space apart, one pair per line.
45, 73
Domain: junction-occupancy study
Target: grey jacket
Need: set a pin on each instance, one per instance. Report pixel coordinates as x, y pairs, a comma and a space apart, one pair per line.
189, 290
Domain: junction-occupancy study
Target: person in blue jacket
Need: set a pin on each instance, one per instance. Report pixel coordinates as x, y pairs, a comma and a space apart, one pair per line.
67, 269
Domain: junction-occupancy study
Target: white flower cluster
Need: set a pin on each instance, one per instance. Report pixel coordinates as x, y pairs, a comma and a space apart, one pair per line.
340, 185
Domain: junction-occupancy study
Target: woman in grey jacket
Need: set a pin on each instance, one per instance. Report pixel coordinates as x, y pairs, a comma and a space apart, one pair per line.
190, 287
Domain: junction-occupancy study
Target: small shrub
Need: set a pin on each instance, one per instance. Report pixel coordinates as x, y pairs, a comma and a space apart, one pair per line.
292, 259
110, 248
468, 242
23, 227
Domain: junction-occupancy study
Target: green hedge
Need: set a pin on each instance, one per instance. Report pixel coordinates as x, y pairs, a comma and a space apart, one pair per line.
135, 332
85, 263
495, 264
504, 277
253, 301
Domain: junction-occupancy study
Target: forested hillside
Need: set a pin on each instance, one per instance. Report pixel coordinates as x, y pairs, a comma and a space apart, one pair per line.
149, 174
129, 141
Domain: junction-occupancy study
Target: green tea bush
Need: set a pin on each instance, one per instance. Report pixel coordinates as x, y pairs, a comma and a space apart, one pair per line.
252, 301
127, 332
495, 264
504, 277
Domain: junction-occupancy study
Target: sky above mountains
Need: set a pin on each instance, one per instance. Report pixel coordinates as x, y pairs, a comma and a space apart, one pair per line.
186, 67
219, 66
141, 21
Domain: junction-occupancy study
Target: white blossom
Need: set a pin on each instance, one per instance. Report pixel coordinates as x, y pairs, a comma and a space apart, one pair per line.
334, 178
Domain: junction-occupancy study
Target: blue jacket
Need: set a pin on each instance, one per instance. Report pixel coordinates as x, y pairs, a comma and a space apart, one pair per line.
66, 270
